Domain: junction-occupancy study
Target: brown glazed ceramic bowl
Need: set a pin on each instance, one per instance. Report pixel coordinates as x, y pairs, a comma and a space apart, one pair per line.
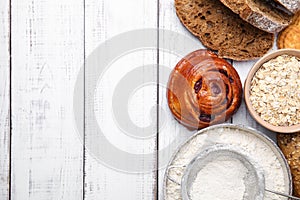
251, 74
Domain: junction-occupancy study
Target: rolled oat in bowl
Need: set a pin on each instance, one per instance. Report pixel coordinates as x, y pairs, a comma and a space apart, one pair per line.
275, 91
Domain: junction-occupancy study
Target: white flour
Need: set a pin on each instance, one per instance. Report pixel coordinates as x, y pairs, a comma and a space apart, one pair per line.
258, 149
221, 179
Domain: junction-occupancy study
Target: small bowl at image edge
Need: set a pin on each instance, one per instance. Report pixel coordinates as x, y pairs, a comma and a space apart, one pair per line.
253, 113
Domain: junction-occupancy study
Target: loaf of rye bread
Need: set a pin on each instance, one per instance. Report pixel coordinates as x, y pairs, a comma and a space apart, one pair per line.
218, 28
292, 5
266, 15
290, 146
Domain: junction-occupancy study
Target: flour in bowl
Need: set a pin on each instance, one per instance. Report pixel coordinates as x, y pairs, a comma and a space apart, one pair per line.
221, 179
263, 152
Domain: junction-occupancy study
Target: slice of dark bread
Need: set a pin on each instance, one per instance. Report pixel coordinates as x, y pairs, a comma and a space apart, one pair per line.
218, 28
292, 5
264, 14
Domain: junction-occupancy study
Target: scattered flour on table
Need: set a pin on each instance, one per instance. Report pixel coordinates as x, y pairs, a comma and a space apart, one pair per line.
221, 179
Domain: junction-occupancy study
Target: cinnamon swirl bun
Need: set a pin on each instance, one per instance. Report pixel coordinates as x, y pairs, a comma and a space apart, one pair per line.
203, 90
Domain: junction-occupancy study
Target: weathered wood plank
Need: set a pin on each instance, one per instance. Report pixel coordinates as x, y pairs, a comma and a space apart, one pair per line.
47, 53
105, 177
4, 98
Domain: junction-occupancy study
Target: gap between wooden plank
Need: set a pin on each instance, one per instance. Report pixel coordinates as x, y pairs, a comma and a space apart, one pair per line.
10, 100
5, 100
84, 94
156, 189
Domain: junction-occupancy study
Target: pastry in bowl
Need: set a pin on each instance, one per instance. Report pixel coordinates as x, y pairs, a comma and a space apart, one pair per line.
203, 89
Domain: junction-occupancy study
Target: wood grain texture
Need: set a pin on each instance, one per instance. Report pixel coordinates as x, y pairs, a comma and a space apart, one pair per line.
105, 19
4, 98
47, 53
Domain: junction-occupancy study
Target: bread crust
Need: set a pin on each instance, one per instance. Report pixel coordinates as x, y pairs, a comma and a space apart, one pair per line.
291, 5
218, 28
290, 146
260, 14
290, 37
296, 19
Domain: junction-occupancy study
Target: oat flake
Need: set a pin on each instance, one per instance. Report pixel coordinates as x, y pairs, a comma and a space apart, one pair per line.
275, 91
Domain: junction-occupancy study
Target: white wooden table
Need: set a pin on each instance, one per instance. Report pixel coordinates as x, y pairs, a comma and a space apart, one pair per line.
43, 45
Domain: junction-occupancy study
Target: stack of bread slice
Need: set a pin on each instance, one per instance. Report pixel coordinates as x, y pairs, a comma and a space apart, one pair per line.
237, 29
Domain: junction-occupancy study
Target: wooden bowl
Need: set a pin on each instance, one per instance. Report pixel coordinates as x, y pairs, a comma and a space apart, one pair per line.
252, 111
